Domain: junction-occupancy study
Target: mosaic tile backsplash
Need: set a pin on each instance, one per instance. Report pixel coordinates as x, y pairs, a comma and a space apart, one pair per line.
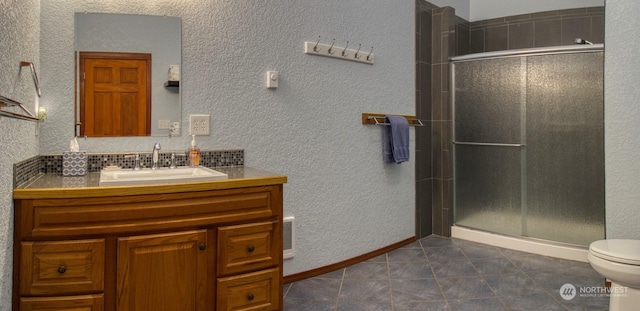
52, 164
23, 171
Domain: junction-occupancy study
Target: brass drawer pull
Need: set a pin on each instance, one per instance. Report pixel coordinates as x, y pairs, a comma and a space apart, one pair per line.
62, 269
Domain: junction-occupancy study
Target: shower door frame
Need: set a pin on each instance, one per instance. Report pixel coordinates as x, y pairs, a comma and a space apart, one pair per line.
523, 53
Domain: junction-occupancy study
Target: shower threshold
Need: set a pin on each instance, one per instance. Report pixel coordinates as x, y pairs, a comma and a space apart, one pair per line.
523, 244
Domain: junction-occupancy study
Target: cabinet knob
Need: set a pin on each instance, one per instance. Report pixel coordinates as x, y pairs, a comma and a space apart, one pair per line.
250, 297
202, 246
62, 269
251, 248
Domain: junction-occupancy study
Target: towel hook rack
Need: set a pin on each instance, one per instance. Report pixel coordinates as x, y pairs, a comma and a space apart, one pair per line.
339, 52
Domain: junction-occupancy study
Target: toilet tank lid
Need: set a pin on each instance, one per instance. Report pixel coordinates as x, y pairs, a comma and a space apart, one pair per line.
627, 250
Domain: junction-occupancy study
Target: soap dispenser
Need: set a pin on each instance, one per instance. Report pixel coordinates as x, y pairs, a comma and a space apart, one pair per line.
194, 153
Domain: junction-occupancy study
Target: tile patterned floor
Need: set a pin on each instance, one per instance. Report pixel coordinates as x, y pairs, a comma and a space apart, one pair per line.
437, 273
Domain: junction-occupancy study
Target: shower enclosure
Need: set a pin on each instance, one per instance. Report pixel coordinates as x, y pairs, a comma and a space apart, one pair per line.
528, 138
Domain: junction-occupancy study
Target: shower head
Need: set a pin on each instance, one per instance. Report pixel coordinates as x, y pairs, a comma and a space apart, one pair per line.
582, 41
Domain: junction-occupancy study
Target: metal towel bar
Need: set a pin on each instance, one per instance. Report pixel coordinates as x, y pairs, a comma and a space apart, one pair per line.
486, 144
378, 119
5, 101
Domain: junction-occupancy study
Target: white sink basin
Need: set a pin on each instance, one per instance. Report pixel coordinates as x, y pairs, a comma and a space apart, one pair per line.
119, 177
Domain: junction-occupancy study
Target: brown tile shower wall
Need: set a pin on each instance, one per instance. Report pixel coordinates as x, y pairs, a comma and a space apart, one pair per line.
550, 28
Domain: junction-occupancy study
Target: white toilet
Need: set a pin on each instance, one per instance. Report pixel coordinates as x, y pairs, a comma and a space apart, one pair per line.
619, 261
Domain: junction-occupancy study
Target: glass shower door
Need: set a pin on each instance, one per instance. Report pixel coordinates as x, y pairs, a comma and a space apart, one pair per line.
487, 135
529, 145
565, 147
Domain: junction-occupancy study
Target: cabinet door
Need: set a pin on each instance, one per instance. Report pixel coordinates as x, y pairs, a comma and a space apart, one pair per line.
162, 272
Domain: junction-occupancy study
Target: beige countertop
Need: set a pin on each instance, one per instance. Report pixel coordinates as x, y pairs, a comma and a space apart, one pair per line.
56, 186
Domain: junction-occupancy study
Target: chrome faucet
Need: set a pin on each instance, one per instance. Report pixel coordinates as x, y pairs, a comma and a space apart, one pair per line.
173, 160
155, 156
136, 163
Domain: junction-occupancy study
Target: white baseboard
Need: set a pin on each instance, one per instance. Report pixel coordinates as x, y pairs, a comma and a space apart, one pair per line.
523, 245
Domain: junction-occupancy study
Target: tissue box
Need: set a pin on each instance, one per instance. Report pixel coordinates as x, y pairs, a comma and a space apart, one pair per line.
74, 163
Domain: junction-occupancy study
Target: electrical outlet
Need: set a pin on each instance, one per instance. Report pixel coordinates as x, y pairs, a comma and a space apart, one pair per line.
199, 124
164, 124
175, 128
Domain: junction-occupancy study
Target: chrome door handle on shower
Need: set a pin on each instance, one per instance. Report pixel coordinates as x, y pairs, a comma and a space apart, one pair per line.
487, 144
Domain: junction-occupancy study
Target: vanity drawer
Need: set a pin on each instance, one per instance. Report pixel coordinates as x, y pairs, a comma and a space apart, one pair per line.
62, 267
248, 247
85, 303
252, 291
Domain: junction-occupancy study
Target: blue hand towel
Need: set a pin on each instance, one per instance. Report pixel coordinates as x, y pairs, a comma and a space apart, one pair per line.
395, 140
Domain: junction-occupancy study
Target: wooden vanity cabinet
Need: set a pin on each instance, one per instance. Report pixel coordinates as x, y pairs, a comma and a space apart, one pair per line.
205, 250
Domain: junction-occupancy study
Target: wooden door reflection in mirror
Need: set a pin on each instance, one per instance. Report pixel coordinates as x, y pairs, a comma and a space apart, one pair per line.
115, 94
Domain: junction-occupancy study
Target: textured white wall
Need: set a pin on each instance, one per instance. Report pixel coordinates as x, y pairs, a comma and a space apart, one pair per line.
346, 202
19, 41
622, 112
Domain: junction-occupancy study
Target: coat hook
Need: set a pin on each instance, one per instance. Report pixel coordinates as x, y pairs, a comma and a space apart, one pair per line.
331, 47
369, 58
315, 48
344, 52
356, 55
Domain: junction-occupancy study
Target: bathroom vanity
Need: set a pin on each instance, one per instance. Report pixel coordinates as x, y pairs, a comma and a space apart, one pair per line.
209, 245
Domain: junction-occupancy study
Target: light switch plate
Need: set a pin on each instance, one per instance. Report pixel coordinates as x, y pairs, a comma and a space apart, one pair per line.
164, 124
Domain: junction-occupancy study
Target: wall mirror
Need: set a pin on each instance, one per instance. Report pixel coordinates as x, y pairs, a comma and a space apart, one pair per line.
127, 74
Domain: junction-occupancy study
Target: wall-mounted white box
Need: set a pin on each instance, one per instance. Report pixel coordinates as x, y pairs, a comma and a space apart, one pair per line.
288, 237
